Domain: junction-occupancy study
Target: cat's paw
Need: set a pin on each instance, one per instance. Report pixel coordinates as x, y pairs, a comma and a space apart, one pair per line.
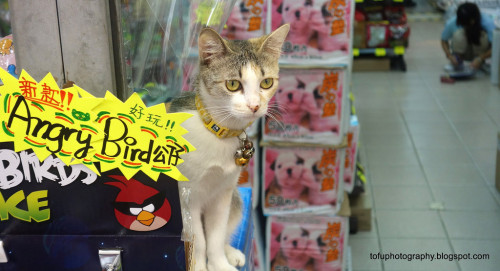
220, 266
234, 256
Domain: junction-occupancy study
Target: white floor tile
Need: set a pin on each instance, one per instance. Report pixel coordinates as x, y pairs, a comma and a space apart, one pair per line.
476, 249
402, 197
472, 224
470, 198
409, 224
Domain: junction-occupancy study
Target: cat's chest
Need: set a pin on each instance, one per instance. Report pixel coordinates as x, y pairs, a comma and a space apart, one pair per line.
213, 157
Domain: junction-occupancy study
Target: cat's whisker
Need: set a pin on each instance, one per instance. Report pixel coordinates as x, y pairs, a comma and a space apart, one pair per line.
278, 121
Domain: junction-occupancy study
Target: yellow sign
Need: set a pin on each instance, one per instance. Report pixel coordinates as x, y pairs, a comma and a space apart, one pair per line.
82, 129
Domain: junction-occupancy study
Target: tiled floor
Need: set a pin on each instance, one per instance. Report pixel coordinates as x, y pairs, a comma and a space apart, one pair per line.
426, 143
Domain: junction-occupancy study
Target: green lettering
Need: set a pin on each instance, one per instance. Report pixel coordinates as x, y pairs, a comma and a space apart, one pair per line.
10, 206
35, 203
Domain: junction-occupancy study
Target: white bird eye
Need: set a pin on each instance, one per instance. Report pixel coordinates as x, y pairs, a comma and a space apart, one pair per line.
135, 211
150, 208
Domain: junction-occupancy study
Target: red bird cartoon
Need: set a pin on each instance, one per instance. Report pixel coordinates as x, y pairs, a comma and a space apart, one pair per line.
139, 207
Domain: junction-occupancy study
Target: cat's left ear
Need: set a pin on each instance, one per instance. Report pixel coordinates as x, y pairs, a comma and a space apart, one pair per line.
274, 41
210, 45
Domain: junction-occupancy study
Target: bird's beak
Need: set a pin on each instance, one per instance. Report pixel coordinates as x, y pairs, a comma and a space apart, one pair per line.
146, 218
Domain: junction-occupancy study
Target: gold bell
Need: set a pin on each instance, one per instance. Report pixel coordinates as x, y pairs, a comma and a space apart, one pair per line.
241, 161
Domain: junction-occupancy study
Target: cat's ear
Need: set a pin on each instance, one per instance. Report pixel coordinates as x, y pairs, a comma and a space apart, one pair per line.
210, 45
274, 41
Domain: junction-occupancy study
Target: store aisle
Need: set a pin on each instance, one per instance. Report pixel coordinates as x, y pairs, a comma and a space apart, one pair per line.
429, 150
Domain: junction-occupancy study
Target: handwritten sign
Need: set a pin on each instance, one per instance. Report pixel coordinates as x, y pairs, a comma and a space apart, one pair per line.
81, 129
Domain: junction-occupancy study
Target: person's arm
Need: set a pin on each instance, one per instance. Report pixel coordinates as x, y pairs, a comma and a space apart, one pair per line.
446, 48
476, 63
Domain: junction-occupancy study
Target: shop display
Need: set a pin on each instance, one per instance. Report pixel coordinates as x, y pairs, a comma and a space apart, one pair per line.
320, 31
301, 180
247, 20
7, 55
309, 243
308, 107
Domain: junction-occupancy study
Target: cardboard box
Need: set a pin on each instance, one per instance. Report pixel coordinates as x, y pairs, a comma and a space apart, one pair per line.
309, 243
371, 64
320, 31
361, 207
309, 107
302, 180
247, 20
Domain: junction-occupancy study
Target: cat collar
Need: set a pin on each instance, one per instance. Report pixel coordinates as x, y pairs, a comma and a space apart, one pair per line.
212, 126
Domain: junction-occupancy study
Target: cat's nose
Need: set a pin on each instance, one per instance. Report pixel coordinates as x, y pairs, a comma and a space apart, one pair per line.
254, 108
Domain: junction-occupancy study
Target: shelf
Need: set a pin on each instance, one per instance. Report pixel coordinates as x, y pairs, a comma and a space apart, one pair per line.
379, 52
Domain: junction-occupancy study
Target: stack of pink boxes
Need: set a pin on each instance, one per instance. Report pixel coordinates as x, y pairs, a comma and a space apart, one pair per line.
304, 155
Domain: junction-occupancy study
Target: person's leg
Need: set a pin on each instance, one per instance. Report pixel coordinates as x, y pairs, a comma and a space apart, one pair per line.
483, 47
460, 46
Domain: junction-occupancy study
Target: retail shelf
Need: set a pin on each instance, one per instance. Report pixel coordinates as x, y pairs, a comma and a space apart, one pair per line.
379, 52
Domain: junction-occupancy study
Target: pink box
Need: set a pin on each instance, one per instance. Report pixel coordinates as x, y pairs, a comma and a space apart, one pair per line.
351, 155
302, 180
247, 20
320, 30
308, 107
308, 243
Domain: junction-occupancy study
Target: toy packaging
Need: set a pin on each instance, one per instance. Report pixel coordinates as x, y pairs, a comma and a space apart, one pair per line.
301, 180
351, 155
308, 243
247, 20
308, 107
320, 31
249, 176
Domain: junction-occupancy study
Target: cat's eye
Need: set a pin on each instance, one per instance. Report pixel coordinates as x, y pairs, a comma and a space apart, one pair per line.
233, 85
266, 83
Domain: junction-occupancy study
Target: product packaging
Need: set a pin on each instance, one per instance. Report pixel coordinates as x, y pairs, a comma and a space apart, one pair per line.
320, 31
247, 20
351, 153
302, 180
308, 243
308, 107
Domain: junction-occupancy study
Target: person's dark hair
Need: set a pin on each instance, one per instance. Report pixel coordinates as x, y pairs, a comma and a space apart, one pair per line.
469, 17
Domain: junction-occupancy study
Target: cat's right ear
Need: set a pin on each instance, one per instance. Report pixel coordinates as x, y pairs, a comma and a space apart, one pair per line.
274, 41
210, 45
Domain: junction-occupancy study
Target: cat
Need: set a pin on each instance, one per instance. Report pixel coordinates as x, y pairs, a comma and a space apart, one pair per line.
235, 82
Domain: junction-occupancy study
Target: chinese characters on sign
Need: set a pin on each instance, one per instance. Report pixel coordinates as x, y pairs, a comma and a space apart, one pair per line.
327, 164
79, 128
255, 7
336, 7
331, 238
328, 89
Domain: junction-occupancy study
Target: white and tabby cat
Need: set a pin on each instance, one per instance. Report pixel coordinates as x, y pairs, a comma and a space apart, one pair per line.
235, 82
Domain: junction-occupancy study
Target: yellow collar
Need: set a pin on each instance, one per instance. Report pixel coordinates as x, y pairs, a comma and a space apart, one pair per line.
212, 126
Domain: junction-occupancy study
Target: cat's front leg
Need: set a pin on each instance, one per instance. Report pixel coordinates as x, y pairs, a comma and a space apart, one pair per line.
216, 218
200, 249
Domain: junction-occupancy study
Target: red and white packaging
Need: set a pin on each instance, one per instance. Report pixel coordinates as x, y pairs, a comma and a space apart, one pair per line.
250, 177
308, 107
302, 180
307, 243
247, 20
351, 153
320, 30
